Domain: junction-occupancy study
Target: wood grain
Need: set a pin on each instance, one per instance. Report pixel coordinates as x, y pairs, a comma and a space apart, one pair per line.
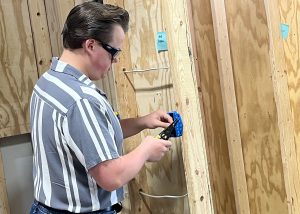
140, 93
57, 12
211, 96
175, 16
127, 106
41, 36
18, 67
153, 91
289, 14
258, 119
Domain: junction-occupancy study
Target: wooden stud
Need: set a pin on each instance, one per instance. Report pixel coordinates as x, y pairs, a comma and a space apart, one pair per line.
285, 117
211, 96
290, 16
127, 107
230, 106
185, 84
249, 45
153, 87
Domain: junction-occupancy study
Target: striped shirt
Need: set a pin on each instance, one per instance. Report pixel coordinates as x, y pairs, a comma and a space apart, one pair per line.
73, 128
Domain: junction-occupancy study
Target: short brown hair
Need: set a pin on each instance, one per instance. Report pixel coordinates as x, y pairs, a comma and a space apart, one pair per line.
92, 20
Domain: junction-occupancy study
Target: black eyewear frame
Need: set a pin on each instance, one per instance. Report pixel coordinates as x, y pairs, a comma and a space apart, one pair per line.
114, 52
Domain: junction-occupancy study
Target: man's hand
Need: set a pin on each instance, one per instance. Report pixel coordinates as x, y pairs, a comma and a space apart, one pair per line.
132, 126
155, 149
157, 119
114, 173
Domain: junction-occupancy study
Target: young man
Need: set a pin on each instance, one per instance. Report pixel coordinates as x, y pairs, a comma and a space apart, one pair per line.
77, 139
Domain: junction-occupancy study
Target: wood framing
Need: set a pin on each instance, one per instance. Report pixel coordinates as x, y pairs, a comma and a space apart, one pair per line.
261, 102
211, 98
282, 99
175, 15
127, 107
230, 106
227, 70
144, 84
290, 16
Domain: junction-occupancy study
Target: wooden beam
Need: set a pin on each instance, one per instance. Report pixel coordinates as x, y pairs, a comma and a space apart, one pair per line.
211, 95
154, 90
249, 46
290, 16
127, 107
230, 106
182, 65
282, 99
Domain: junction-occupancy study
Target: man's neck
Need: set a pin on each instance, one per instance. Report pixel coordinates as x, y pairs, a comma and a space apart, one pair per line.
74, 58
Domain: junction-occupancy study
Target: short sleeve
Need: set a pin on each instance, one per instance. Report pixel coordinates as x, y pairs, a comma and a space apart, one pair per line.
90, 133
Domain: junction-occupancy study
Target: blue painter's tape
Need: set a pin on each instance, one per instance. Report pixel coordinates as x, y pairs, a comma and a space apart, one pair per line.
161, 41
284, 30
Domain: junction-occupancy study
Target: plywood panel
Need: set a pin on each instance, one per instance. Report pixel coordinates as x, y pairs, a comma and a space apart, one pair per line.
18, 67
140, 93
249, 45
210, 89
57, 12
40, 34
127, 106
154, 91
182, 65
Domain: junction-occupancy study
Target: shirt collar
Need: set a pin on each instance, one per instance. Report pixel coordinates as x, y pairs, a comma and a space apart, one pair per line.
60, 66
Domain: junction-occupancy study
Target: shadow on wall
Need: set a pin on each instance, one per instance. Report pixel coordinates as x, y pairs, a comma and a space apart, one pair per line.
17, 160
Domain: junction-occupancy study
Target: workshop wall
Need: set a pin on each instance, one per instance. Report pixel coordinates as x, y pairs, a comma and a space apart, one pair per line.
144, 84
230, 68
30, 36
258, 75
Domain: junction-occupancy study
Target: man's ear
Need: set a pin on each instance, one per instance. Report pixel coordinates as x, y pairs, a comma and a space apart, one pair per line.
89, 45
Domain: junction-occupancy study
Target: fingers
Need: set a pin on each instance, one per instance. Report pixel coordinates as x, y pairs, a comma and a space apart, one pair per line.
167, 145
156, 148
162, 124
165, 117
168, 118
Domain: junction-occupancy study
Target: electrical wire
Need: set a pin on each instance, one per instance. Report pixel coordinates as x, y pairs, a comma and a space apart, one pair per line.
162, 196
147, 69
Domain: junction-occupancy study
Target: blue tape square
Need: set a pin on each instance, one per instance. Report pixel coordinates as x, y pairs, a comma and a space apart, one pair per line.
161, 41
284, 30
